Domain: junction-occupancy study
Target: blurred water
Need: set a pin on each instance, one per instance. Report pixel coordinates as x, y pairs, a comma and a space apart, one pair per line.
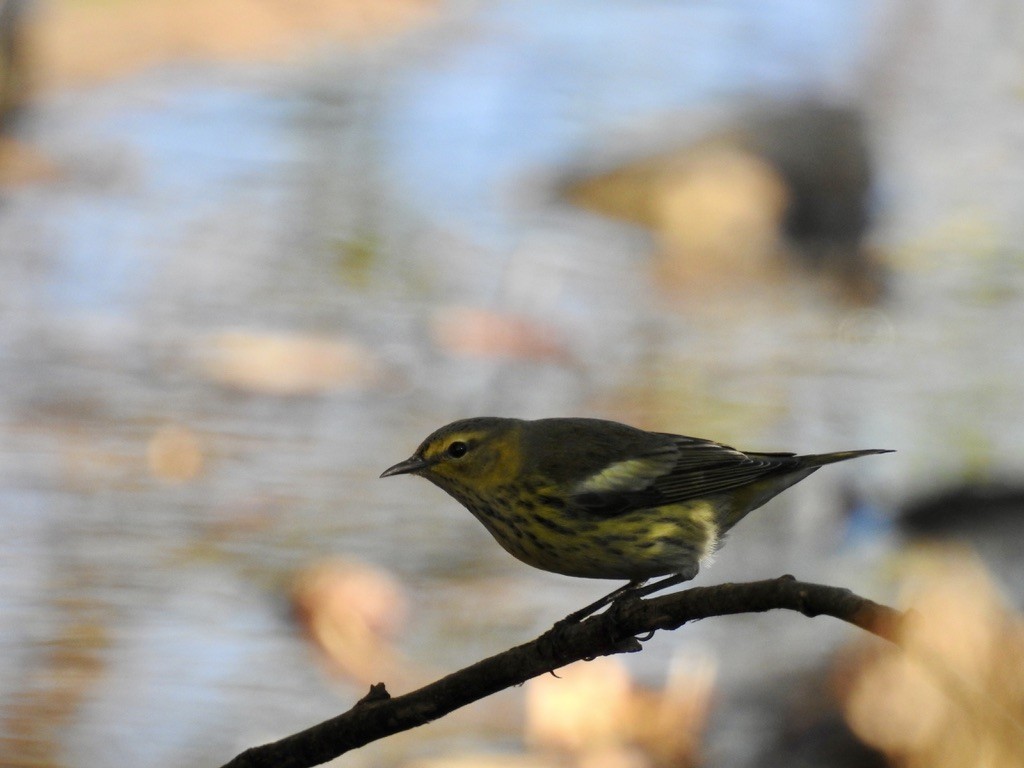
144, 618
532, 83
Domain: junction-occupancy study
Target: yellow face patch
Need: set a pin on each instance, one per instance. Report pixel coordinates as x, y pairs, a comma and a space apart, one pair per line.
439, 448
488, 461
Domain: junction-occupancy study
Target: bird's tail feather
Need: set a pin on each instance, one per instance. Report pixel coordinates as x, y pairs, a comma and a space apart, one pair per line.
821, 459
750, 497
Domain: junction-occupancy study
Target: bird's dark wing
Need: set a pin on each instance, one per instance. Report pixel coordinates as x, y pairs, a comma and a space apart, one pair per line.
684, 468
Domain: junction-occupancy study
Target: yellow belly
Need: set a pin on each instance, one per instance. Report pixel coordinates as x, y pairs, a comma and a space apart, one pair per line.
638, 545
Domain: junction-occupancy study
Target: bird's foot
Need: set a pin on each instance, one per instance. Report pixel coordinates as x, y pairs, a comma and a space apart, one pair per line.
626, 589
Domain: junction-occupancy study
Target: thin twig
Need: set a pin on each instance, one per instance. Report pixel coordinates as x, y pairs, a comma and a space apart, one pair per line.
615, 631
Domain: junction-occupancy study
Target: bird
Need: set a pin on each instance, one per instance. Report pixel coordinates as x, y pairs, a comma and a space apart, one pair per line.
598, 499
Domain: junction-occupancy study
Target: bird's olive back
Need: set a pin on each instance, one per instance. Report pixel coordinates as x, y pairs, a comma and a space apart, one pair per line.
570, 450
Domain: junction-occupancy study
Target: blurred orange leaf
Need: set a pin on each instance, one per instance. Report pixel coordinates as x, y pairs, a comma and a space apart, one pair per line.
281, 364
174, 454
952, 694
473, 332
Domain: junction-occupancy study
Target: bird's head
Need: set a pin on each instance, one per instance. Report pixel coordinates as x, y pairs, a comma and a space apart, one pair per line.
471, 454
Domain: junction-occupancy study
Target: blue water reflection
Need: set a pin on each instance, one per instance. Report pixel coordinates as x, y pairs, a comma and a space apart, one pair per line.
360, 203
532, 83
184, 150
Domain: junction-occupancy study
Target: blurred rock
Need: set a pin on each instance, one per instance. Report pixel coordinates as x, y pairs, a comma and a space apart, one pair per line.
964, 507
802, 723
987, 515
281, 364
719, 216
795, 176
716, 210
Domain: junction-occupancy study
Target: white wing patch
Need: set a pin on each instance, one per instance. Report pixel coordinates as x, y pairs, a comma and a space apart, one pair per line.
628, 475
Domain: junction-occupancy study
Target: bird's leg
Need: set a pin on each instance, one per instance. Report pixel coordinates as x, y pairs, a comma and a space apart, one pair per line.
650, 589
632, 590
552, 640
626, 589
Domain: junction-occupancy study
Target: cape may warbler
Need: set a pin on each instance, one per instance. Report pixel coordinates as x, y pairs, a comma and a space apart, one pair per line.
594, 498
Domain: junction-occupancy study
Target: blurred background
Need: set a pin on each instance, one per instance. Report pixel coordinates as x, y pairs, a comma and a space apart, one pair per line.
251, 253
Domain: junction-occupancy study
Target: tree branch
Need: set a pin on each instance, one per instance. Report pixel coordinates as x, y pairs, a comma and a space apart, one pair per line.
615, 631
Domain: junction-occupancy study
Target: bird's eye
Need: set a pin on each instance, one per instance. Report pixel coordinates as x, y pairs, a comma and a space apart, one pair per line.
457, 449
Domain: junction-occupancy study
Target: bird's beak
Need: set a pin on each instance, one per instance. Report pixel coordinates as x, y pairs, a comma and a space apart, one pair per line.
410, 466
